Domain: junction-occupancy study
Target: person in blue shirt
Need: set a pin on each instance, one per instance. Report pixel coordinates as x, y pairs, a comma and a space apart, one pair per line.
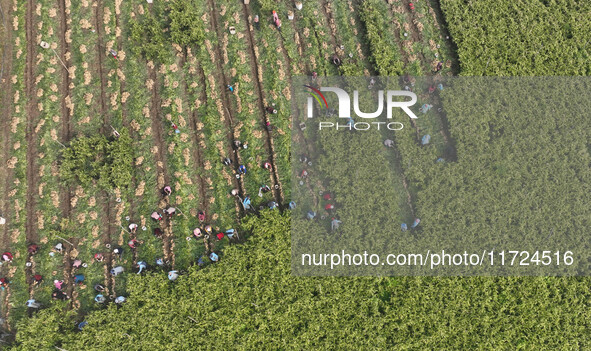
242, 169
403, 227
100, 298
214, 257
79, 278
142, 265
173, 275
292, 205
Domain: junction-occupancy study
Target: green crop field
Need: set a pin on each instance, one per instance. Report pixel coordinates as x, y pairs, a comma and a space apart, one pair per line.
104, 103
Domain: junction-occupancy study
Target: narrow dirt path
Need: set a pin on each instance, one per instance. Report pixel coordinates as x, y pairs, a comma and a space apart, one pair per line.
160, 147
65, 136
417, 37
269, 144
6, 107
32, 172
105, 197
228, 117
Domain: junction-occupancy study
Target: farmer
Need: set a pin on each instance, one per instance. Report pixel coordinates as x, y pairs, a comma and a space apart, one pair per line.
230, 88
33, 249
276, 20
304, 174
113, 53
82, 325
99, 298
167, 190
237, 144
267, 166
230, 233
372, 82
118, 251
440, 86
133, 243
59, 295
175, 127
268, 126
4, 283
200, 261
415, 223
219, 236
256, 22
141, 266
403, 227
99, 257
271, 109
157, 232
227, 161
172, 275
439, 66
425, 139
58, 247
314, 76
304, 159
58, 284
156, 216
311, 215
117, 270
292, 205
426, 107
197, 232
214, 257
246, 203
242, 169
234, 192
78, 278
170, 212
389, 143
159, 262
431, 89
99, 288
37, 278
33, 304
329, 207
336, 60
201, 216
327, 196
263, 190
133, 228
208, 229
272, 205
334, 224
7, 257
119, 300
77, 263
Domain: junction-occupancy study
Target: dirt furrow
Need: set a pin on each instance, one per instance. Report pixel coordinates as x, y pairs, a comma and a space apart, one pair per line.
228, 117
269, 144
6, 108
106, 198
32, 173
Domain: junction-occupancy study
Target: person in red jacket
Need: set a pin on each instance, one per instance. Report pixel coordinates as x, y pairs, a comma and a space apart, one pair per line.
220, 236
329, 207
7, 257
